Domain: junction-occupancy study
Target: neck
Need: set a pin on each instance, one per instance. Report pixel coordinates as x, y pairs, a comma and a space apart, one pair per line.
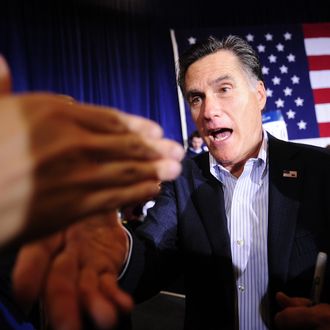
237, 169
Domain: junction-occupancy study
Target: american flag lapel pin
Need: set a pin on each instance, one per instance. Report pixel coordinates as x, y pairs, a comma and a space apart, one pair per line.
290, 174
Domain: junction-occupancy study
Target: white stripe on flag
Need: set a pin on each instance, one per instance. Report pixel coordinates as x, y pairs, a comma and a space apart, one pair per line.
322, 112
317, 46
320, 79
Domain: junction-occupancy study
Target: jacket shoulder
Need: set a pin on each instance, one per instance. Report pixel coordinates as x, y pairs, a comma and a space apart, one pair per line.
288, 148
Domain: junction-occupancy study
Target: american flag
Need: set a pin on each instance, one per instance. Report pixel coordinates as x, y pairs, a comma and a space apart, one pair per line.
296, 66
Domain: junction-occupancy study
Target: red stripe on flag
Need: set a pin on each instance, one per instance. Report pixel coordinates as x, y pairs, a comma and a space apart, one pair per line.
324, 129
321, 62
321, 95
316, 30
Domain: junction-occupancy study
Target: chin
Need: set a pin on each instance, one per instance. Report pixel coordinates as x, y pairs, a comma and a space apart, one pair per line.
221, 158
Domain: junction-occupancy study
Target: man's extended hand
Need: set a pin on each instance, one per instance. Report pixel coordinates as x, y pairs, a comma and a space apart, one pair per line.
62, 161
76, 272
298, 313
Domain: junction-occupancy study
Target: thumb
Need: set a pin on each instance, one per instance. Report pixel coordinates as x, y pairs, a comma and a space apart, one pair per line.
5, 76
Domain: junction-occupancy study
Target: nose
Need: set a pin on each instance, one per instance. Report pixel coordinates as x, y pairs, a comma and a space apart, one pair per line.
212, 107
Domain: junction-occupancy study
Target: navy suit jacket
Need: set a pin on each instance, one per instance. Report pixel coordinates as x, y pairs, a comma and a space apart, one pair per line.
186, 232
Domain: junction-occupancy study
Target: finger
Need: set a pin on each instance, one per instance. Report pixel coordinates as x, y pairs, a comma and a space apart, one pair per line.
102, 310
93, 118
111, 199
5, 77
83, 204
31, 267
61, 298
132, 146
162, 170
142, 126
132, 172
114, 174
296, 318
286, 301
109, 287
105, 119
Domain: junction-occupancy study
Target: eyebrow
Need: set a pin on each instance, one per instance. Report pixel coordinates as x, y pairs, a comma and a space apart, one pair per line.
193, 92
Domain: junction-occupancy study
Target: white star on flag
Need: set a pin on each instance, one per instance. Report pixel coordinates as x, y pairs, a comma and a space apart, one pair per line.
264, 70
261, 48
302, 124
291, 58
295, 79
249, 37
280, 47
276, 80
287, 91
291, 114
279, 103
269, 37
299, 102
287, 36
272, 58
284, 69
192, 40
269, 92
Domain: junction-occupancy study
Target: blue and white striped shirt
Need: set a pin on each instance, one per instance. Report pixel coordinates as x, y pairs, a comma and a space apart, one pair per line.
246, 203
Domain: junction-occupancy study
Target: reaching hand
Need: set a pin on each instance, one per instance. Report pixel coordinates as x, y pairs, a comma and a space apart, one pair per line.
62, 161
298, 313
76, 271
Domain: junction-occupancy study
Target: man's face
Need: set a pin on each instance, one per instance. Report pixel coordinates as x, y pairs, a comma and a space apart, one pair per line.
226, 107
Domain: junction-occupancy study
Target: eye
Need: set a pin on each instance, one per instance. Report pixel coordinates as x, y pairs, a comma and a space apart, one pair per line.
195, 100
225, 89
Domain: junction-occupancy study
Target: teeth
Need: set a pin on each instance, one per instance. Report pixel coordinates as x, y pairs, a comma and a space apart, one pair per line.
221, 135
219, 138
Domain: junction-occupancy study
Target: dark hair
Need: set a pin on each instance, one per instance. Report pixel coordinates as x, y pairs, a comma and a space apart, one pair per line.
193, 135
238, 46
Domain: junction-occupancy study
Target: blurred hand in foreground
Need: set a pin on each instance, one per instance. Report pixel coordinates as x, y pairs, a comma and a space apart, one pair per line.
62, 161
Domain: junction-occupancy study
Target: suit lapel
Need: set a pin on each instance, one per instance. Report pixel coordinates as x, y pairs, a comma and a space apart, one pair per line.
284, 188
209, 200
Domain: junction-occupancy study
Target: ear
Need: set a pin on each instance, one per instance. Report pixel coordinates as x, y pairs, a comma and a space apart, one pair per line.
261, 95
5, 77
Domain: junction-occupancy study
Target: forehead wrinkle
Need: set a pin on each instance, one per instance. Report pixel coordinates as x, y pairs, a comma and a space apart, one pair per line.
220, 79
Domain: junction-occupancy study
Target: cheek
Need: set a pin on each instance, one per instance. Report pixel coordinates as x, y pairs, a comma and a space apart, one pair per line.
247, 113
196, 117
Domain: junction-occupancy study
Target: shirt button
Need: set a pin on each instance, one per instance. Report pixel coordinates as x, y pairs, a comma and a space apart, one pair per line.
240, 242
241, 288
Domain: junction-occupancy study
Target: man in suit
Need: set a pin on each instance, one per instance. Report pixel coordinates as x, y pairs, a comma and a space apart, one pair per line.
243, 223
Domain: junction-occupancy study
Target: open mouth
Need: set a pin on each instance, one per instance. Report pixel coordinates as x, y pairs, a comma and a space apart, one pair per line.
220, 134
